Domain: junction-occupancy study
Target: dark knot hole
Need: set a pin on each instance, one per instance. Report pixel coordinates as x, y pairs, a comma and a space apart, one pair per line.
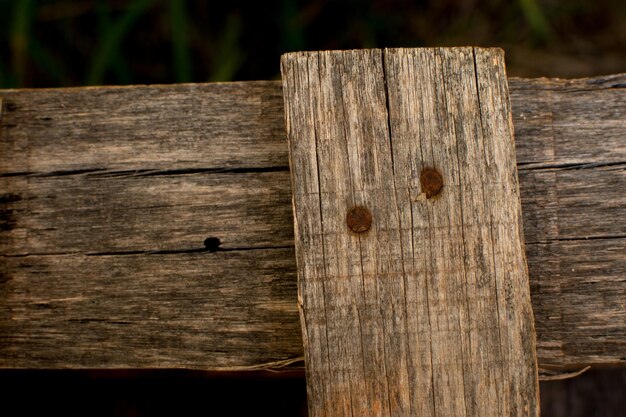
212, 244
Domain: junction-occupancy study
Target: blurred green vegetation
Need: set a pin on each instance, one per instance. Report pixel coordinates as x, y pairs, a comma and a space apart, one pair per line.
46, 43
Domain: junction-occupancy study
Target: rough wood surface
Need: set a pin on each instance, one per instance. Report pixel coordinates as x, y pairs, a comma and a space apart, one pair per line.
130, 174
428, 312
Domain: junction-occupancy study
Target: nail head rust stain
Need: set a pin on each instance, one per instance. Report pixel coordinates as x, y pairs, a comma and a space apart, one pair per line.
431, 182
359, 219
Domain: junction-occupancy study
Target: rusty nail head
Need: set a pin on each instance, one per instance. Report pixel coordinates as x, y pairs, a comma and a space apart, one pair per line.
359, 219
431, 182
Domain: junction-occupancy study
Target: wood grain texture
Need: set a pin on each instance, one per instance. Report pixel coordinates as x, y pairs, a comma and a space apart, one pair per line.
99, 213
143, 174
427, 313
149, 311
143, 130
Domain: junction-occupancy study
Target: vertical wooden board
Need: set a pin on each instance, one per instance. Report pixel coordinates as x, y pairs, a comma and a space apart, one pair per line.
428, 312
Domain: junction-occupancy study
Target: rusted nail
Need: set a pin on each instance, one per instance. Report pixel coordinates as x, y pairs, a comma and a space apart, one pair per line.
359, 219
431, 182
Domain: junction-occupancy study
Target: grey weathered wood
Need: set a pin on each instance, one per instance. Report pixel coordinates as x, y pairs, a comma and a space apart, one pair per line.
143, 129
110, 212
149, 311
427, 313
140, 173
569, 122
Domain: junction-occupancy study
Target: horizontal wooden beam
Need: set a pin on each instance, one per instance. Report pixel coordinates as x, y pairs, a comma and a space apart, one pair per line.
108, 195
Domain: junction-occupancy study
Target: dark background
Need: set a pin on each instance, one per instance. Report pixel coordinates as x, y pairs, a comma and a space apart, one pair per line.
88, 42
165, 393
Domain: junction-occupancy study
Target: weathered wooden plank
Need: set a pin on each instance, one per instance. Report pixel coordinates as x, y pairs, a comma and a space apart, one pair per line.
149, 311
588, 274
241, 126
574, 203
104, 212
556, 121
427, 312
78, 156
143, 129
111, 213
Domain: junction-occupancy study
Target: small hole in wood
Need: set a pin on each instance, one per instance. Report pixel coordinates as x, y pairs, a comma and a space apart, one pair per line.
212, 244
